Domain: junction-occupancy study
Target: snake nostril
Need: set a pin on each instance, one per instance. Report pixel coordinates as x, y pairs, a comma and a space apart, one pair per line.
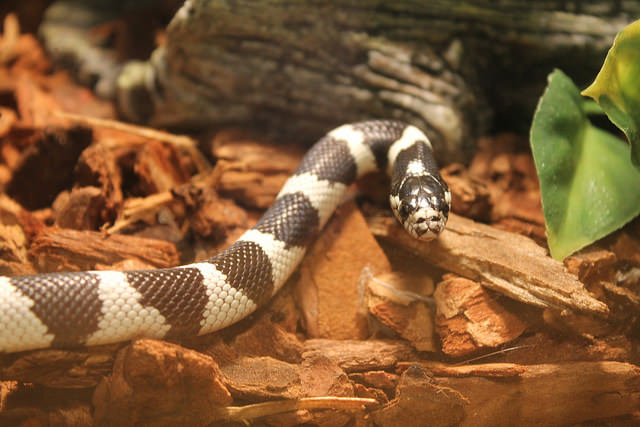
421, 220
435, 218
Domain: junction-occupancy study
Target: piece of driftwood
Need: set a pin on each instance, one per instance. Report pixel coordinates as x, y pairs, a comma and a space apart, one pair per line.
325, 63
506, 262
302, 68
555, 394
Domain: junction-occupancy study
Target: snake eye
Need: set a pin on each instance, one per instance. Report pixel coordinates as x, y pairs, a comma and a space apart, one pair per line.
421, 220
435, 218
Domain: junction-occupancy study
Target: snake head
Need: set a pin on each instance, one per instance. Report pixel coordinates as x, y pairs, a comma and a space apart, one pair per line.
421, 203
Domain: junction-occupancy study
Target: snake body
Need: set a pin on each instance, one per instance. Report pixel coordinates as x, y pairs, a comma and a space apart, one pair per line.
63, 310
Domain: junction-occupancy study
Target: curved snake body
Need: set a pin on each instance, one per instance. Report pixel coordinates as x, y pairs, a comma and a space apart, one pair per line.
100, 307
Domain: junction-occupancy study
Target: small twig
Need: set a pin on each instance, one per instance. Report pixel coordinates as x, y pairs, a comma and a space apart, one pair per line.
180, 141
250, 412
137, 209
485, 356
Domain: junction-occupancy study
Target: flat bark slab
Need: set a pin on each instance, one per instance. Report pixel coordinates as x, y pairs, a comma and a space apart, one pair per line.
358, 356
506, 262
329, 290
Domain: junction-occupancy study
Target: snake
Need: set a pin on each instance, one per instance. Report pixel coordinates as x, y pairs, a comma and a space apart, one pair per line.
78, 309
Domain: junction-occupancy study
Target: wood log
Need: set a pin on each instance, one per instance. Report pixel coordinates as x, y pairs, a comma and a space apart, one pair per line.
300, 68
434, 64
506, 262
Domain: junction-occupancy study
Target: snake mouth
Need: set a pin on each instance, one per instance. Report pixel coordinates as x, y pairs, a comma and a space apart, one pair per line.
426, 234
426, 223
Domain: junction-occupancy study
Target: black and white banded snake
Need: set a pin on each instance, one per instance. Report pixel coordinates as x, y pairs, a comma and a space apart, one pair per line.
98, 307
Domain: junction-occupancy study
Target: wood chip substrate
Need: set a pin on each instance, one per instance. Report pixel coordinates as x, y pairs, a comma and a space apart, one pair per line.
480, 327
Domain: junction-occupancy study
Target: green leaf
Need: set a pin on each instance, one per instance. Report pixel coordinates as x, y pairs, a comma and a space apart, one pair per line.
589, 187
617, 86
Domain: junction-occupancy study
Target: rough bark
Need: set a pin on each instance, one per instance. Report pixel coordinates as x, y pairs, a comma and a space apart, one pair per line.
299, 68
505, 262
324, 63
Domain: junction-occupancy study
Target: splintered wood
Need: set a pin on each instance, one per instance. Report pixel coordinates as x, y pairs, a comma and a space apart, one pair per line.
478, 328
469, 318
506, 262
253, 172
69, 250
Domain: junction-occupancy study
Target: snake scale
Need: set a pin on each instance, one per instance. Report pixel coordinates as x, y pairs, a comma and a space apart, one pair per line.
66, 310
